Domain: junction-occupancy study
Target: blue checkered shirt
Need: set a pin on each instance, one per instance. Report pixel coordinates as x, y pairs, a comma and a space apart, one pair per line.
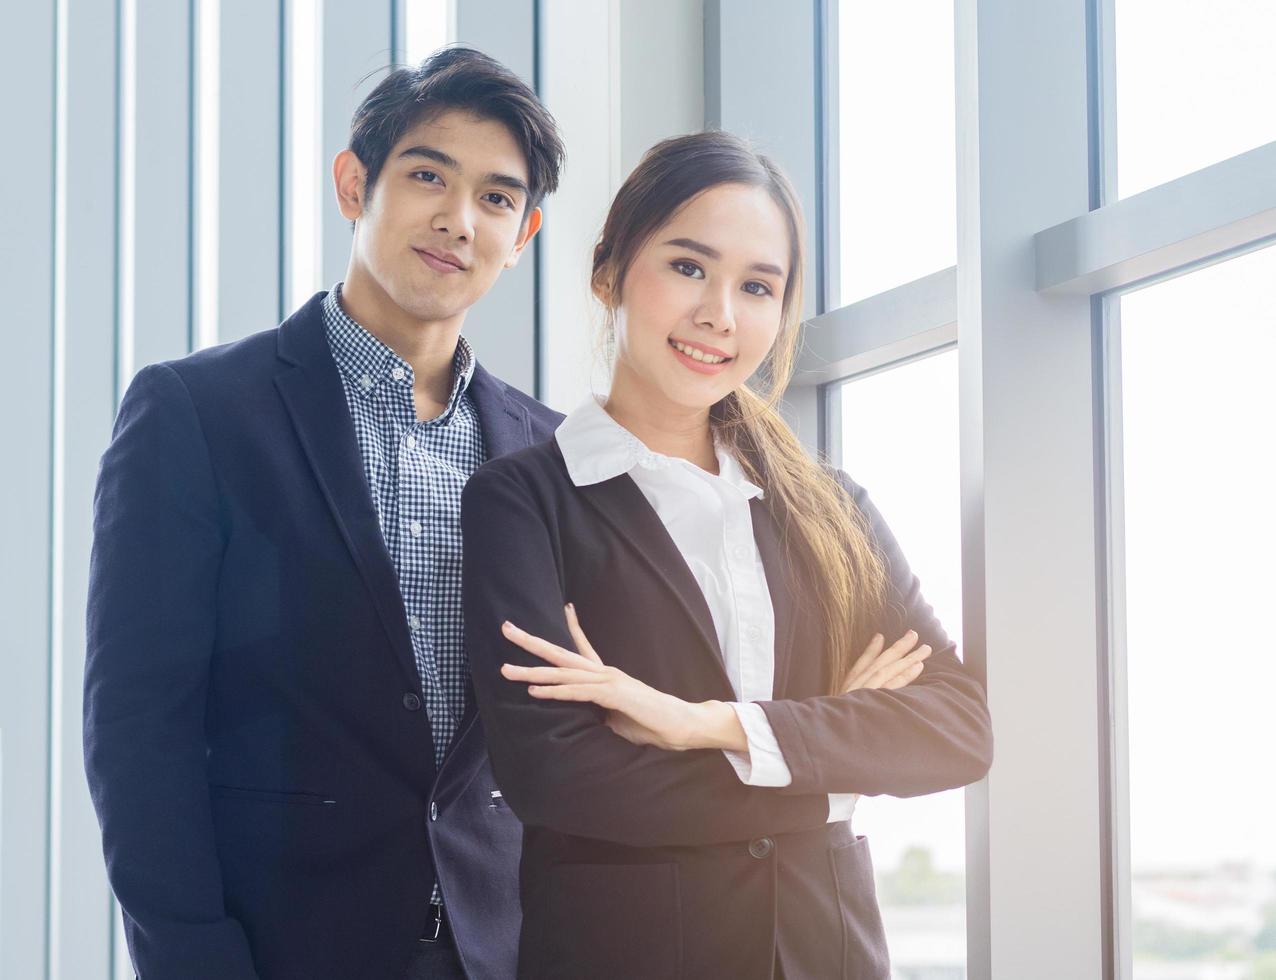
416, 471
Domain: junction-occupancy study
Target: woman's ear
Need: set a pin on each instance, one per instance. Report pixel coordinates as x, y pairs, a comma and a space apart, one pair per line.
600, 280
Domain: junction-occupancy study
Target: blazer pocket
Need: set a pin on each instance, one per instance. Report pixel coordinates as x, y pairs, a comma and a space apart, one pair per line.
619, 921
864, 953
269, 796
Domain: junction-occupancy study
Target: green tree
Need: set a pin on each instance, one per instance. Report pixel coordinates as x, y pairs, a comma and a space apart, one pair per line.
917, 882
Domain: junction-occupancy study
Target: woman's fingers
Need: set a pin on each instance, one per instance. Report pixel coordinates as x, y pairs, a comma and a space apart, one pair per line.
904, 677
868, 669
863, 663
551, 675
551, 652
583, 646
888, 671
597, 693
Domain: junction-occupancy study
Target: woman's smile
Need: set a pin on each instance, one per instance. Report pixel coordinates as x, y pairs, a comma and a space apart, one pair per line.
704, 360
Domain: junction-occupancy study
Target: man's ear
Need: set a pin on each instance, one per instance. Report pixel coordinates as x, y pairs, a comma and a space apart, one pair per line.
530, 227
348, 177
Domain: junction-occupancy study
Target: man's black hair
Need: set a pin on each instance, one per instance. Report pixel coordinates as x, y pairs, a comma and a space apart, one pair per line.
465, 79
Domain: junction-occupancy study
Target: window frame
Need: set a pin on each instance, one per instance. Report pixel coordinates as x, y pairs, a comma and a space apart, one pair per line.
1059, 283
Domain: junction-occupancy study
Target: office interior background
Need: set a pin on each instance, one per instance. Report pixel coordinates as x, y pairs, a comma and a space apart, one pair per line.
1041, 327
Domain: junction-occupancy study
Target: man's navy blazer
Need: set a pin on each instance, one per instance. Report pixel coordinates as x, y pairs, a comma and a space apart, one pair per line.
254, 735
639, 862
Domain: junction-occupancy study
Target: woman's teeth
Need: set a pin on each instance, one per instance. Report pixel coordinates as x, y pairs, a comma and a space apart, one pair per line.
695, 353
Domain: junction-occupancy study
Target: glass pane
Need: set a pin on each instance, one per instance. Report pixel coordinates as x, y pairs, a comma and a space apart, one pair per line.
907, 459
897, 179
305, 164
1195, 84
426, 27
1198, 413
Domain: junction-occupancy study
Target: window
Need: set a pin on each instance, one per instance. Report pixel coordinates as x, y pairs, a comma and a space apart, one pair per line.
907, 460
1194, 85
896, 149
427, 26
1199, 533
304, 163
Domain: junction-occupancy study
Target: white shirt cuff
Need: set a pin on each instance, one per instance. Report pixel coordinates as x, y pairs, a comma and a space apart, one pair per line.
841, 805
763, 763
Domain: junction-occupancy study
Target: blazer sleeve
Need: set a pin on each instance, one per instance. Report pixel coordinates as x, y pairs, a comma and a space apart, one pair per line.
932, 735
151, 618
557, 763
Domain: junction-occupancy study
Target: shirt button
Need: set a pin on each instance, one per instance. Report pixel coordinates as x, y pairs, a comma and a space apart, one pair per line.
366, 381
414, 623
411, 702
415, 529
410, 442
753, 632
761, 847
398, 374
434, 810
741, 552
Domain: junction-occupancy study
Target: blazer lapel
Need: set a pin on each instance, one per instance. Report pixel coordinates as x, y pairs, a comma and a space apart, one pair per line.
315, 399
624, 507
504, 422
780, 583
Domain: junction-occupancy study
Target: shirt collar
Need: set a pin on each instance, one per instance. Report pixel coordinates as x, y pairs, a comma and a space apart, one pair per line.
368, 363
596, 447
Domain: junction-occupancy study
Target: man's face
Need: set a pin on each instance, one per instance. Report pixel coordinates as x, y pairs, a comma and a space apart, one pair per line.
448, 212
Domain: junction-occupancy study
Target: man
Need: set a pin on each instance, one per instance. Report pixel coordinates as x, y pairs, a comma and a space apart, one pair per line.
280, 734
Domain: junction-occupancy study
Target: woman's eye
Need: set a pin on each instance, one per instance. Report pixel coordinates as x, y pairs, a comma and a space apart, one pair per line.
688, 269
762, 289
500, 200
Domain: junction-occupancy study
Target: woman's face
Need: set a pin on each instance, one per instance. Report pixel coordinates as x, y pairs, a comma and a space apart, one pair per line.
701, 303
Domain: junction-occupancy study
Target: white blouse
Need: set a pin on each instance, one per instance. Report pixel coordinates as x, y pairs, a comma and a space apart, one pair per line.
709, 520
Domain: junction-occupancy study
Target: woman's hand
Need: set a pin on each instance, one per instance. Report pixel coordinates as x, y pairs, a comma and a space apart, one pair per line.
642, 715
636, 711
893, 667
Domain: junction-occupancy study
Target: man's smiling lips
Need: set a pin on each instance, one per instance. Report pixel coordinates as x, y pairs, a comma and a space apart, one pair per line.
440, 261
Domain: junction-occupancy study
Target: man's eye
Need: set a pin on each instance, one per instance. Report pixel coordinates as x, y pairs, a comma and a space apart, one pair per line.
427, 176
688, 269
762, 288
498, 199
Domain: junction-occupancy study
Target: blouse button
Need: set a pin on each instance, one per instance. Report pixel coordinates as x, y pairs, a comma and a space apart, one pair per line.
761, 847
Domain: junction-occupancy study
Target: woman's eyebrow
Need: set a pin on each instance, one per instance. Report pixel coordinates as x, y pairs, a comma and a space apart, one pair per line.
691, 245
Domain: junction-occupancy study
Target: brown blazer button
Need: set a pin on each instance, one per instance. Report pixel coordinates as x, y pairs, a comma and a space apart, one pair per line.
761, 847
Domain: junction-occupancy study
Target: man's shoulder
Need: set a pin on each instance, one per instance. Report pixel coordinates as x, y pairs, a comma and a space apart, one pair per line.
258, 350
248, 364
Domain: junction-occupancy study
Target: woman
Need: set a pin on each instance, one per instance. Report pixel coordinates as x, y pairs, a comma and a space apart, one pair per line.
676, 623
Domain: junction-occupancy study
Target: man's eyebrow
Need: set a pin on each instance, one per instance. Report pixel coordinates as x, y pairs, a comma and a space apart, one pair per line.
691, 245
449, 161
505, 180
429, 153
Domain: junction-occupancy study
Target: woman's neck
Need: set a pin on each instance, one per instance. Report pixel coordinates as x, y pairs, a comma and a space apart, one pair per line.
662, 426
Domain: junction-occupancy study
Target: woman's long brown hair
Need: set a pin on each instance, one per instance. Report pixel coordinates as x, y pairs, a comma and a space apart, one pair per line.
823, 529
